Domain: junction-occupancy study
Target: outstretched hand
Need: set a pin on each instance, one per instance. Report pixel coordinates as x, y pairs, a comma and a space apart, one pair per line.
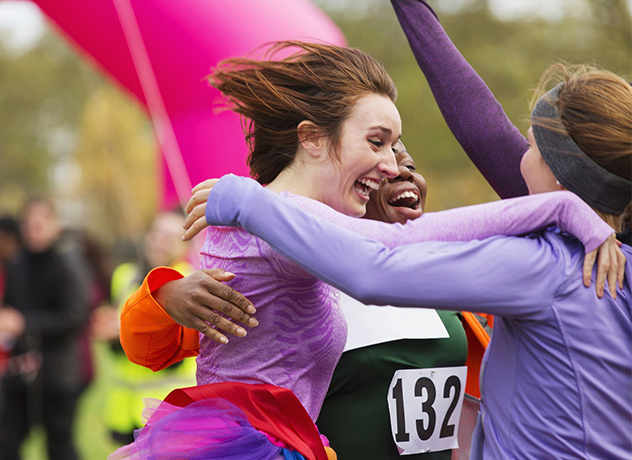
196, 208
202, 301
610, 266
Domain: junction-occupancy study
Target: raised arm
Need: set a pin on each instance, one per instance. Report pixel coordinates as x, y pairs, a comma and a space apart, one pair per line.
473, 114
234, 196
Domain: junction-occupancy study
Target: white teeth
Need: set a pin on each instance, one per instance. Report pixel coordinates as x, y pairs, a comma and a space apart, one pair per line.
370, 183
407, 194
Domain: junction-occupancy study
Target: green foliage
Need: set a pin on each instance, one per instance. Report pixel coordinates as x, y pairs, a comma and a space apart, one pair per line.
118, 157
58, 109
42, 92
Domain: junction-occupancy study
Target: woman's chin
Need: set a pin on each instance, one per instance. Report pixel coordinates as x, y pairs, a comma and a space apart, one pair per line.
406, 214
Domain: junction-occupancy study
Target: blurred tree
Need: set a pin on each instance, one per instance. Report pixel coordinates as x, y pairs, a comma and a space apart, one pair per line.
41, 93
59, 112
118, 157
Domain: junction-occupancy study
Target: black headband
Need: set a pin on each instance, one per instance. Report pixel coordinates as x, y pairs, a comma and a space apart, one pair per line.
575, 170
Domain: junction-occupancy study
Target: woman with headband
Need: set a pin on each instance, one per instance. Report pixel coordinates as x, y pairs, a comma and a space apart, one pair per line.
557, 379
288, 349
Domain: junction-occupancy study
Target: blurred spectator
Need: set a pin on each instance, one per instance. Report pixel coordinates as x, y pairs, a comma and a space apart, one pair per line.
9, 247
45, 309
129, 383
97, 274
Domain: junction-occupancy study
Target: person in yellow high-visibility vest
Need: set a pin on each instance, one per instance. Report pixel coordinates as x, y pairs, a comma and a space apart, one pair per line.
129, 384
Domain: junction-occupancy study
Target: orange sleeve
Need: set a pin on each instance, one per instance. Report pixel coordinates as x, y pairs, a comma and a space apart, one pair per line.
149, 336
477, 341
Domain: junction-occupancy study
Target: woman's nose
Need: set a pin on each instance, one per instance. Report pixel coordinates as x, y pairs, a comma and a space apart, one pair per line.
389, 167
404, 174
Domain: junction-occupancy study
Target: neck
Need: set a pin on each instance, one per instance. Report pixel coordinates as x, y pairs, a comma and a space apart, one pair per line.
298, 179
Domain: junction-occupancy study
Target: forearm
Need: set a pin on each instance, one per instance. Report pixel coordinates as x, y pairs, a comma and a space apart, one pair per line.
473, 114
433, 274
149, 336
234, 197
514, 217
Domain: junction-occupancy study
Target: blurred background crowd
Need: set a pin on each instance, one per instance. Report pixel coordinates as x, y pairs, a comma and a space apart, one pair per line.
80, 188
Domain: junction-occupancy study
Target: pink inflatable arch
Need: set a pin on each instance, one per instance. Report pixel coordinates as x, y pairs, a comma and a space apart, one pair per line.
161, 50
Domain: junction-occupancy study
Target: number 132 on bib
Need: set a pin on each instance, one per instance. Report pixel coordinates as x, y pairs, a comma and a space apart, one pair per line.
425, 408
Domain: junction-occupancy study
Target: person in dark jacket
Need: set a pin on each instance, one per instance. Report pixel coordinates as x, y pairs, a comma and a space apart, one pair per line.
44, 310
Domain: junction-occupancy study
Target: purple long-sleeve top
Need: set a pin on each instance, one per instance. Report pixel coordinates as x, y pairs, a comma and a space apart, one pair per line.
557, 380
302, 330
496, 147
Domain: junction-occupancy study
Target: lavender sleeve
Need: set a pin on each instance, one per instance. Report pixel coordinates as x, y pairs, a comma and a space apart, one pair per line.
473, 114
233, 195
421, 274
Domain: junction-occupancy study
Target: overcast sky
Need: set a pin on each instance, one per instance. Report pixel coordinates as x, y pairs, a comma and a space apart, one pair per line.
21, 22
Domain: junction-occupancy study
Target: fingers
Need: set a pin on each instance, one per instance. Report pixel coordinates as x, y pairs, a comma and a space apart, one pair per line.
208, 183
219, 274
610, 267
589, 261
203, 302
195, 220
622, 260
607, 267
195, 228
195, 214
613, 270
603, 264
197, 199
211, 324
200, 193
228, 301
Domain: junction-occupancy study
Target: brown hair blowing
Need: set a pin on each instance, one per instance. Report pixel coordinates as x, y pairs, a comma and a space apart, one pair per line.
596, 109
316, 82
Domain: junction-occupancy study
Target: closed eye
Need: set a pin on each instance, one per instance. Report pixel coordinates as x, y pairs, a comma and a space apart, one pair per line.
378, 144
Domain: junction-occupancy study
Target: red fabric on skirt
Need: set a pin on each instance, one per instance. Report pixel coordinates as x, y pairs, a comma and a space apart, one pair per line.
271, 409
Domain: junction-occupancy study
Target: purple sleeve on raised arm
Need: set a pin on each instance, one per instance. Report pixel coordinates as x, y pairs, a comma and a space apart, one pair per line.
473, 114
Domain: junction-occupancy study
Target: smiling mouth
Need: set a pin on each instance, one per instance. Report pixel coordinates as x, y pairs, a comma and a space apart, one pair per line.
407, 199
365, 186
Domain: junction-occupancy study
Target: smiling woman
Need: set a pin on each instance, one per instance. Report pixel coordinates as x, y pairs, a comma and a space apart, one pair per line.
367, 139
323, 131
402, 198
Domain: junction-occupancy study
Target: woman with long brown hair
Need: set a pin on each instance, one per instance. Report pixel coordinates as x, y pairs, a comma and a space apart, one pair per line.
323, 128
557, 378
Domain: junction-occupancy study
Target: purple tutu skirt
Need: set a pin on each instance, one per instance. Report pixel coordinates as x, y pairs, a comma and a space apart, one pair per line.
206, 429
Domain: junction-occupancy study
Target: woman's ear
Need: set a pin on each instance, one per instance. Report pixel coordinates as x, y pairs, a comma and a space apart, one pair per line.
311, 138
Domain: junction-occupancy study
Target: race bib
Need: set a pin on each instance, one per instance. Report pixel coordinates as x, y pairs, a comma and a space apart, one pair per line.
425, 407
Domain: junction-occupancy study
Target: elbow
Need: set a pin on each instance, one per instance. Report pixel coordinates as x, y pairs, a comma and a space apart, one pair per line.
132, 350
138, 357
136, 348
